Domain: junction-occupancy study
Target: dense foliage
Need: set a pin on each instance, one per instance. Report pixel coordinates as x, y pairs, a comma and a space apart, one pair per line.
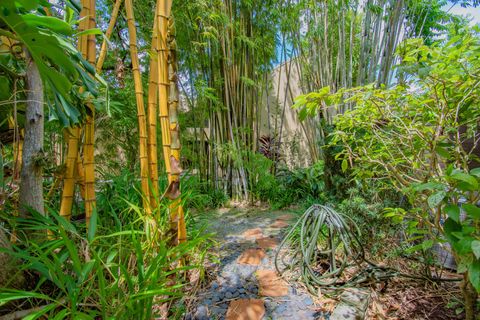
385, 117
420, 137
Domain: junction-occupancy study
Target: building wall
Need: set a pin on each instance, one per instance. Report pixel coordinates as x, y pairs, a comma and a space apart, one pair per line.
293, 147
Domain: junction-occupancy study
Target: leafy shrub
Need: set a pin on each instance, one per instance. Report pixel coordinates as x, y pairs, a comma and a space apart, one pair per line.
201, 195
305, 182
262, 183
420, 137
365, 206
117, 270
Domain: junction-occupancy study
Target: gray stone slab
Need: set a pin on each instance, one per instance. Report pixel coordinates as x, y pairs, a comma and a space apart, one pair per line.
344, 311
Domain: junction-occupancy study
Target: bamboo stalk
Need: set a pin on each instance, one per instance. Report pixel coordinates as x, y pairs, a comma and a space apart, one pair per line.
142, 123
89, 142
152, 110
163, 83
108, 33
72, 135
177, 218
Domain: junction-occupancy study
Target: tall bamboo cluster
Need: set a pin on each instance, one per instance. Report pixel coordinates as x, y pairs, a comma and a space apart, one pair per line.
80, 169
233, 45
74, 162
231, 51
141, 115
343, 44
162, 102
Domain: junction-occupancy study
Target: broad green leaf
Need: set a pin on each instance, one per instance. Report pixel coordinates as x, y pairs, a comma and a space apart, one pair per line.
463, 246
7, 295
28, 4
428, 186
344, 165
453, 212
435, 199
43, 311
47, 22
75, 4
89, 32
451, 227
61, 315
86, 269
443, 152
415, 248
470, 180
77, 266
472, 210
474, 274
476, 248
475, 172
427, 244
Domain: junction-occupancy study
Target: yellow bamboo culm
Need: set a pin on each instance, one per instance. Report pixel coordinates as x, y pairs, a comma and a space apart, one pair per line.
108, 34
163, 83
89, 143
72, 136
177, 214
152, 111
76, 170
142, 123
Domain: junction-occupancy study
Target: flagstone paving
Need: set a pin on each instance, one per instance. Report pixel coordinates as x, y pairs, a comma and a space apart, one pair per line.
267, 243
255, 233
245, 285
279, 224
246, 309
252, 256
270, 284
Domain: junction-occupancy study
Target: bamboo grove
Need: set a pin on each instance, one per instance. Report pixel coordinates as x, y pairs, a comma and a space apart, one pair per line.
228, 71
162, 102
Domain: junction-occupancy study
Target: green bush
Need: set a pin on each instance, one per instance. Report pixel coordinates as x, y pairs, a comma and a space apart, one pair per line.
201, 195
420, 138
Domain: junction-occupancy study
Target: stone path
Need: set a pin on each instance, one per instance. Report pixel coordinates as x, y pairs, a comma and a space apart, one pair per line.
246, 285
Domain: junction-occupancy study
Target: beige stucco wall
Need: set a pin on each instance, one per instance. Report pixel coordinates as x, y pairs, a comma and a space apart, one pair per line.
294, 147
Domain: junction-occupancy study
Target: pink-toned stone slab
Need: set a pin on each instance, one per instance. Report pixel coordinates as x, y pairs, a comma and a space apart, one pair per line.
253, 233
286, 217
279, 224
270, 284
246, 309
267, 243
252, 257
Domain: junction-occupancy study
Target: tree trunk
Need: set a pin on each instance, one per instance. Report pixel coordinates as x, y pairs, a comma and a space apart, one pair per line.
31, 181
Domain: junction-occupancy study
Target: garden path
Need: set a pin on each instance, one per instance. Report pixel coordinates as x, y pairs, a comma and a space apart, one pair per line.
244, 284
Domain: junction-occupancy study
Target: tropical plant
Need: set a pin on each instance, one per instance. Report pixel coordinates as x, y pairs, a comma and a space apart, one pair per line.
420, 134
115, 271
